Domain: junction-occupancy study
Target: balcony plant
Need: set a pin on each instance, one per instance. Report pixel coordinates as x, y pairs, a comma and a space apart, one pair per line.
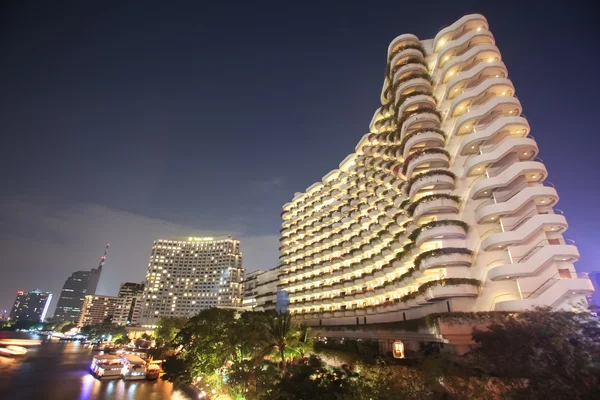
434, 224
416, 46
433, 172
417, 132
417, 154
400, 100
440, 252
414, 75
411, 209
420, 110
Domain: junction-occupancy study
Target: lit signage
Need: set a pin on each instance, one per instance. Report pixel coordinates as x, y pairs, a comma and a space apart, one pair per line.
199, 239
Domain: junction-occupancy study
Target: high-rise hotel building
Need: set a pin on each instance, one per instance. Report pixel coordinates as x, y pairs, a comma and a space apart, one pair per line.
443, 207
187, 275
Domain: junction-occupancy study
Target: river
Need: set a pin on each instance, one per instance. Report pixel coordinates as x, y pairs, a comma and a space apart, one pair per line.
58, 370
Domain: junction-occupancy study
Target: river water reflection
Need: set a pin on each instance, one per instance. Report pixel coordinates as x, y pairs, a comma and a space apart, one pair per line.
59, 371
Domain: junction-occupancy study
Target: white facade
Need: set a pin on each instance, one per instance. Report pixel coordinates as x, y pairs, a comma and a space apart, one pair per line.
130, 300
443, 207
186, 275
96, 309
260, 290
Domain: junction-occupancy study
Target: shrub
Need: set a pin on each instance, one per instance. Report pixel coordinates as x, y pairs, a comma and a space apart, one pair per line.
419, 153
411, 209
433, 172
439, 252
433, 224
417, 132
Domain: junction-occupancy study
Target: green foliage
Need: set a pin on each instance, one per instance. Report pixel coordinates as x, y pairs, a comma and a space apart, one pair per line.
419, 110
440, 282
420, 153
433, 172
411, 209
433, 224
440, 252
556, 353
402, 144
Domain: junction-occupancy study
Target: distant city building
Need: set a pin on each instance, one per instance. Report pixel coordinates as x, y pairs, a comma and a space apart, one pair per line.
260, 290
76, 287
96, 309
130, 301
594, 298
72, 295
186, 275
31, 306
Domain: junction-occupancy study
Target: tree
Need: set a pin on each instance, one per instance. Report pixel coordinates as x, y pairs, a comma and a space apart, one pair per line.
279, 329
205, 343
546, 354
166, 329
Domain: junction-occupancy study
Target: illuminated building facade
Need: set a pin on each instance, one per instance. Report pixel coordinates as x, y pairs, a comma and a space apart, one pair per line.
444, 206
129, 305
72, 295
96, 309
31, 306
186, 275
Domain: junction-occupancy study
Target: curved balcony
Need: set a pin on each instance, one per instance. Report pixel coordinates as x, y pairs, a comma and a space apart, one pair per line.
556, 293
525, 149
416, 66
464, 24
473, 76
405, 54
524, 230
514, 126
418, 83
533, 171
458, 46
424, 160
427, 118
446, 260
420, 139
399, 42
435, 206
480, 94
447, 231
522, 195
475, 55
449, 291
415, 102
540, 260
484, 113
432, 180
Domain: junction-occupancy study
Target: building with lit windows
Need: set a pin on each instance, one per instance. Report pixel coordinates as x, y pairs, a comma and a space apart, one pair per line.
186, 275
72, 295
260, 290
31, 306
96, 309
130, 301
444, 206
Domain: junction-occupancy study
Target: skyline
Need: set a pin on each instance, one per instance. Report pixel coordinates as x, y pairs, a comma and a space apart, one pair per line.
77, 215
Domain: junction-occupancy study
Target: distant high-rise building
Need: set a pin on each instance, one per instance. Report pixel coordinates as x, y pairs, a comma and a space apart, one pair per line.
260, 289
31, 306
191, 274
76, 287
130, 300
594, 298
96, 309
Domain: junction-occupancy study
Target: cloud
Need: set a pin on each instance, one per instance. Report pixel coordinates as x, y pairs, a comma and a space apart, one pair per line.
43, 244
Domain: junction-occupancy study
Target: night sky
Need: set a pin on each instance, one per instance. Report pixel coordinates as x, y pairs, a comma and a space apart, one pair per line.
123, 123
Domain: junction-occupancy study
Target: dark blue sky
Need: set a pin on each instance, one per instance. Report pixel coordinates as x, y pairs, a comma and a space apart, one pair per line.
123, 122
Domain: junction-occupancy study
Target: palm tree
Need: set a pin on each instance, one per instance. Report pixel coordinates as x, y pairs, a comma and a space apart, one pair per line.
279, 331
